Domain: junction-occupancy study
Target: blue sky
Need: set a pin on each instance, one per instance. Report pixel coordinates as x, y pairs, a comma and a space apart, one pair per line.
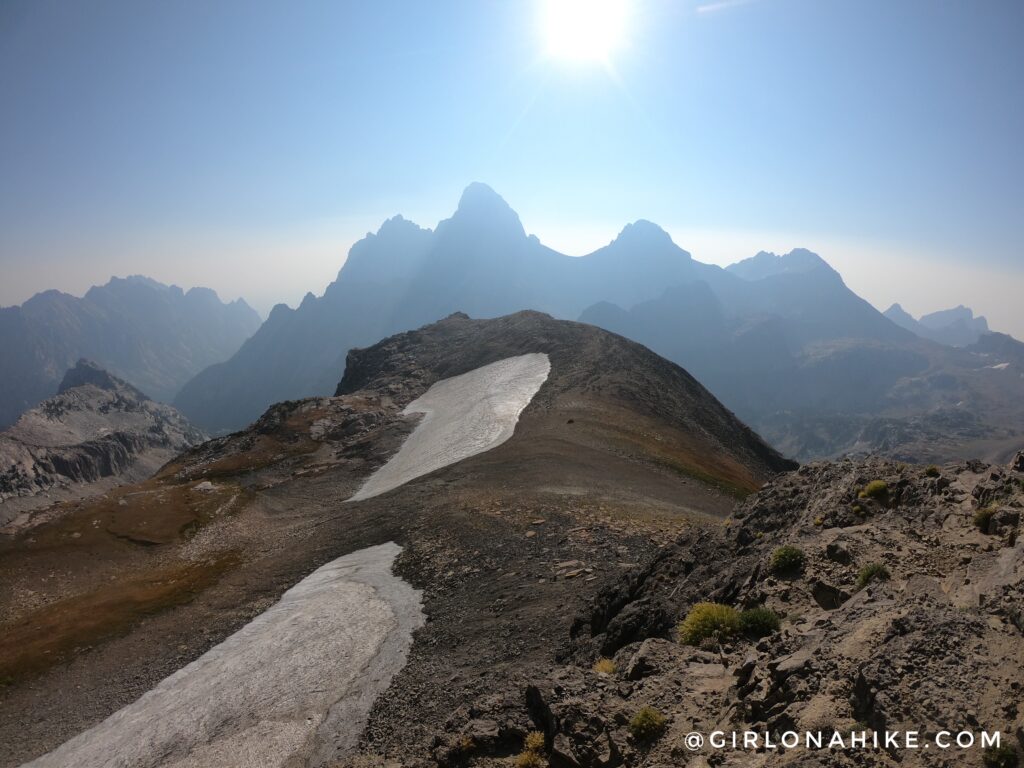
246, 145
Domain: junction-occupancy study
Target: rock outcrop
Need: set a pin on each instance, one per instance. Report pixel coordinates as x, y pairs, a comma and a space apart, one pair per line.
902, 612
97, 428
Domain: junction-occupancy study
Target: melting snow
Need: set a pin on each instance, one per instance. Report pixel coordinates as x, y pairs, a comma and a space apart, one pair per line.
999, 366
463, 416
298, 680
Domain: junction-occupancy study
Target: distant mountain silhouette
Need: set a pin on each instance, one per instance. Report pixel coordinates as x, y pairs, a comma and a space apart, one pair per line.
766, 264
154, 336
480, 261
779, 339
786, 333
957, 327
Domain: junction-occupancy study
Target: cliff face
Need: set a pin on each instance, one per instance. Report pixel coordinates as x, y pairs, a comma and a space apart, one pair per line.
97, 428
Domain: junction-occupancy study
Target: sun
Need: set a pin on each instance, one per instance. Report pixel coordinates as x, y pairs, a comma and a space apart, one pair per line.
584, 30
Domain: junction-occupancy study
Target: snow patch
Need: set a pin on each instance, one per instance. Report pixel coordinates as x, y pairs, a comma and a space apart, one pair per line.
998, 366
296, 682
462, 416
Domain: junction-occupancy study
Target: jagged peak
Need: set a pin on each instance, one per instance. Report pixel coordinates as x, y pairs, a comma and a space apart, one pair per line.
396, 224
87, 372
768, 264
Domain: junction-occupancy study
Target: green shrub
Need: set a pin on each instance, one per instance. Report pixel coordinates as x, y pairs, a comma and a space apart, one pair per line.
788, 560
1003, 756
876, 489
758, 622
932, 471
983, 517
872, 572
706, 621
647, 723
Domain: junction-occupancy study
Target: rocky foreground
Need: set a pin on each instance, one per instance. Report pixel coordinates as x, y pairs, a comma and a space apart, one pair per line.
899, 595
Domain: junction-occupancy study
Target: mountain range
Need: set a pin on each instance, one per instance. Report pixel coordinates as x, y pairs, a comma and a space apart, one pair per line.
780, 339
152, 335
957, 327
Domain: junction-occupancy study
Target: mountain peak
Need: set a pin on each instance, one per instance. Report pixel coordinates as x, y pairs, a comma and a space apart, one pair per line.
87, 372
477, 193
644, 232
959, 314
902, 318
767, 264
480, 207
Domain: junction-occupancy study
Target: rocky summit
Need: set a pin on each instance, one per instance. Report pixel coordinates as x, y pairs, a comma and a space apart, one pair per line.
97, 431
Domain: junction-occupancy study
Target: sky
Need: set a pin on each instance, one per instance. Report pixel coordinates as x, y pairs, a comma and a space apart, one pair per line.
245, 146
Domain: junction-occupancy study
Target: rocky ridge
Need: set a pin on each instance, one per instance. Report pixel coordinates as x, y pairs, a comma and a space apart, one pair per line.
906, 612
97, 428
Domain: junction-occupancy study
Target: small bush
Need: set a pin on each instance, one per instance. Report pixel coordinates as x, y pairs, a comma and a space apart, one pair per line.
788, 560
529, 760
932, 471
876, 489
646, 724
709, 621
983, 517
604, 667
534, 742
759, 622
532, 754
1003, 756
872, 572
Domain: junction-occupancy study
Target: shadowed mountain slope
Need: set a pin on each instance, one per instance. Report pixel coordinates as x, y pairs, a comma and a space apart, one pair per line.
152, 335
956, 327
602, 387
480, 261
779, 339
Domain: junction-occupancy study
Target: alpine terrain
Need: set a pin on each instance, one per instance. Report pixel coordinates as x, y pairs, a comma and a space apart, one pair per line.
597, 560
96, 432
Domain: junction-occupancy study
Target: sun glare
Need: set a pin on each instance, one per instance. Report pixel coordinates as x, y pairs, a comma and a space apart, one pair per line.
584, 30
